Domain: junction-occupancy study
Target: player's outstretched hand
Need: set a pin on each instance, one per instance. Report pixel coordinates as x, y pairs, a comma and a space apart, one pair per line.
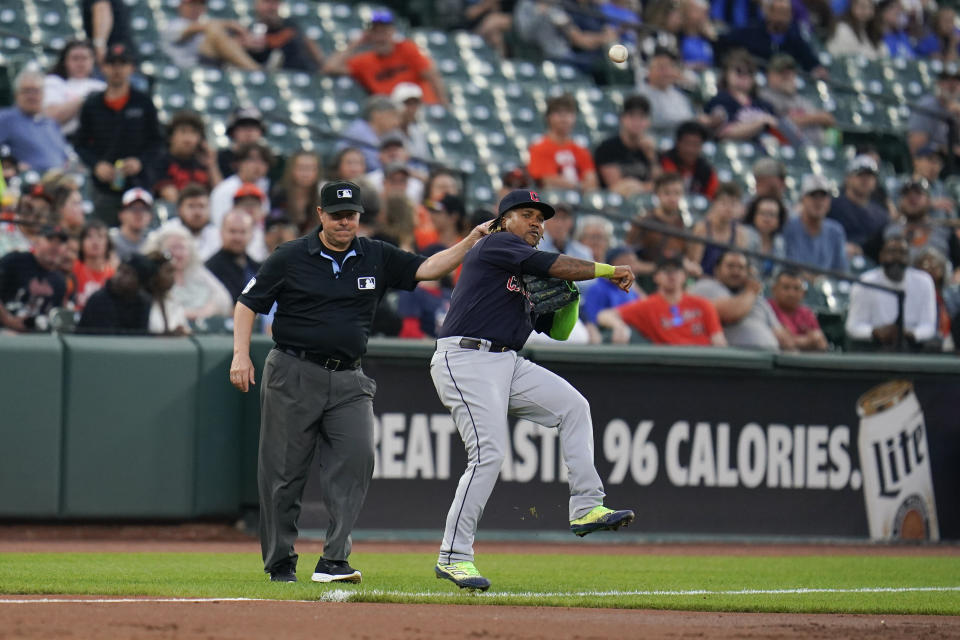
622, 276
242, 372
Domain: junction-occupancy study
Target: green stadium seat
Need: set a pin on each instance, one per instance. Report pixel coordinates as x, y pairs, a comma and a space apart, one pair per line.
14, 21
570, 197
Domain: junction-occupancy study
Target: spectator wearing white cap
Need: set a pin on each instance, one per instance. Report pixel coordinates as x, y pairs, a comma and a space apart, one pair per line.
136, 214
811, 238
860, 217
408, 96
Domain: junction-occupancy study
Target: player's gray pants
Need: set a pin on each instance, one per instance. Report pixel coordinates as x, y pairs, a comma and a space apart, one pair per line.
481, 389
304, 409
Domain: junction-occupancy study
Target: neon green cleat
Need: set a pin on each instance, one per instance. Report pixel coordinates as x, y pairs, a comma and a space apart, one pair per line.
601, 518
463, 574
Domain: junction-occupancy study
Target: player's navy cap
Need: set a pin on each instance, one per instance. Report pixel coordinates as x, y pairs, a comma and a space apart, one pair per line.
340, 196
524, 198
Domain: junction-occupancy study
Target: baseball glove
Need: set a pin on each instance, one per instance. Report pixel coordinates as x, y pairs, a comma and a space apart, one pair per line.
549, 294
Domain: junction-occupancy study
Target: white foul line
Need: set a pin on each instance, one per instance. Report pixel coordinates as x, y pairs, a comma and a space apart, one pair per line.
348, 595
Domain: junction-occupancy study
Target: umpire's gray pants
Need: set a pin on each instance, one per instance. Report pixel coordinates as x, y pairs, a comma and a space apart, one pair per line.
481, 389
305, 408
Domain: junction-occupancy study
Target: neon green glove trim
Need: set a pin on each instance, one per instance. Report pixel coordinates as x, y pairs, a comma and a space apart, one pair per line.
601, 270
564, 319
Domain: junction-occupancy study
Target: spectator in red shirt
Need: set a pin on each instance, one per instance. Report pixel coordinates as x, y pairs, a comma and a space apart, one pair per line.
556, 160
388, 62
669, 316
685, 158
797, 318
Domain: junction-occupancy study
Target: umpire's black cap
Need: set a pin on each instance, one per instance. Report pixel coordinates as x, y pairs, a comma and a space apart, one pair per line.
524, 198
340, 196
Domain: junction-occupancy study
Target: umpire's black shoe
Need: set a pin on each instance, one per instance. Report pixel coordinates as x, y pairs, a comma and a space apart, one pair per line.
334, 571
287, 573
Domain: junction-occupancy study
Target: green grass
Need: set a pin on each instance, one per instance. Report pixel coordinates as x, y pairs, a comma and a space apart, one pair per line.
546, 580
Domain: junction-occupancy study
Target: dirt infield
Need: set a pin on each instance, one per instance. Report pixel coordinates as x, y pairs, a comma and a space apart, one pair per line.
308, 621
29, 617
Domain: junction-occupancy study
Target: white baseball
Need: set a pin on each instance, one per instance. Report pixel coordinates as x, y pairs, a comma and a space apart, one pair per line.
618, 53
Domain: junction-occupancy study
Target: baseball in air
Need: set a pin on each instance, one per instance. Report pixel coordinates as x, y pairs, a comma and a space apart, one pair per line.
618, 53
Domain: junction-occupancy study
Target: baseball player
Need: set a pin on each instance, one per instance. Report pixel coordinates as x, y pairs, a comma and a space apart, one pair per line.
481, 379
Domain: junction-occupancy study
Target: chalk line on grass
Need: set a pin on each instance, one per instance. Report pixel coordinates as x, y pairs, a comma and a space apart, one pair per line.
348, 595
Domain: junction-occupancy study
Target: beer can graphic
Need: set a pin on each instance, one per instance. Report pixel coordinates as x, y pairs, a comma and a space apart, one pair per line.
895, 462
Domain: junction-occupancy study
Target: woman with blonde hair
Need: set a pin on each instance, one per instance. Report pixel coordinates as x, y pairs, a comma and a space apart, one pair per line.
194, 287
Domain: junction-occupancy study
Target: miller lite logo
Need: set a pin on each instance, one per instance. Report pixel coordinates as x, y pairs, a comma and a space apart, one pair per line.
534, 196
344, 193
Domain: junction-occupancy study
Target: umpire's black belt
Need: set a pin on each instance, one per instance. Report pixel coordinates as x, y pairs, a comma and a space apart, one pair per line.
477, 345
325, 361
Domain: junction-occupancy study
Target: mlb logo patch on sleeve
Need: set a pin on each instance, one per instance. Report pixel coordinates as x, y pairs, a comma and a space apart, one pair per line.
250, 284
366, 282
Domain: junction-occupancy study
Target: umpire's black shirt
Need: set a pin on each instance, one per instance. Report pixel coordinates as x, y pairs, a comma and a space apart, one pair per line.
322, 306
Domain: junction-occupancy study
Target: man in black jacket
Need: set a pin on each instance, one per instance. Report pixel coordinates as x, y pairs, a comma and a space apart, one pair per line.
119, 136
232, 266
121, 306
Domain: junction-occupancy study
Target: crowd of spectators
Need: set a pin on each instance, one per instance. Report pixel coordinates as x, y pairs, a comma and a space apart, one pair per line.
175, 227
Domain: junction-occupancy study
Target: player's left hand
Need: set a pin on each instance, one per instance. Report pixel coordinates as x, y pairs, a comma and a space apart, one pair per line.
622, 276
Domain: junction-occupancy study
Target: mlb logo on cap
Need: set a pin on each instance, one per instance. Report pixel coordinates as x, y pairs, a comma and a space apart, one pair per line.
340, 196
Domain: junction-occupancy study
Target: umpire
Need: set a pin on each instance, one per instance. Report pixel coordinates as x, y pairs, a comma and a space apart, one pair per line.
314, 396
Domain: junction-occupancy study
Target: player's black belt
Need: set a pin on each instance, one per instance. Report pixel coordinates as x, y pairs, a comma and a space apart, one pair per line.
325, 361
476, 344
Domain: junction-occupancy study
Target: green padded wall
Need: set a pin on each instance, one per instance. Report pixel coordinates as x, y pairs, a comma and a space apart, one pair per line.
218, 428
31, 383
129, 422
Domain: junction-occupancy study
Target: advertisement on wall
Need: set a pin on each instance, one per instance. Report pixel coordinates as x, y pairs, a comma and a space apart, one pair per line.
692, 452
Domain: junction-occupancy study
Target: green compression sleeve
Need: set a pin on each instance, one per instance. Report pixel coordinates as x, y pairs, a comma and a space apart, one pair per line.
564, 320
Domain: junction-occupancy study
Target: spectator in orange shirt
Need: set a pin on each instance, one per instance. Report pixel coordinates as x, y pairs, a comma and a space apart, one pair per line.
388, 62
669, 316
93, 266
556, 160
